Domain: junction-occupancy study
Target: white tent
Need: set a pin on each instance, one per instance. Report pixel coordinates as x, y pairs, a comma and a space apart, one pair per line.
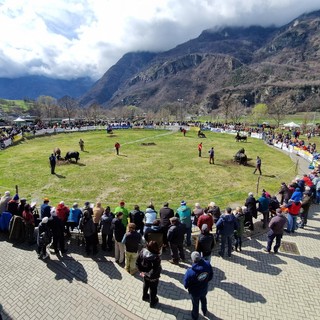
291, 125
19, 120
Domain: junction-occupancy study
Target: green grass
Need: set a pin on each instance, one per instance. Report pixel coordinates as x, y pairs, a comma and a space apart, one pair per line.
170, 170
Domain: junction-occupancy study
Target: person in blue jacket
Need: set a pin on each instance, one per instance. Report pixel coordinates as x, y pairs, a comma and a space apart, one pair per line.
226, 225
196, 280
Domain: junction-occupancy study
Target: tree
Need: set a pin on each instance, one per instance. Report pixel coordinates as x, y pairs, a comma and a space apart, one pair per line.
278, 111
237, 111
69, 105
46, 104
259, 112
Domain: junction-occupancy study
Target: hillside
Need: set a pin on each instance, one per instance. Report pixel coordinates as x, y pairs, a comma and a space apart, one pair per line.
230, 65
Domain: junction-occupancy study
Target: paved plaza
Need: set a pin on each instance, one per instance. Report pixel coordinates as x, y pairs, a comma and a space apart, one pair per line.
249, 285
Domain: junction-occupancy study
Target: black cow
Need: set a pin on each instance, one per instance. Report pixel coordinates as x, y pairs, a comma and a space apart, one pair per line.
72, 155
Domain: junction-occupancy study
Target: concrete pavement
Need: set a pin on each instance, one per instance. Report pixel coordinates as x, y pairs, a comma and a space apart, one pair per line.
249, 285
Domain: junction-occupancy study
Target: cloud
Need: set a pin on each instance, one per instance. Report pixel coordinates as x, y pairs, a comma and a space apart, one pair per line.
74, 38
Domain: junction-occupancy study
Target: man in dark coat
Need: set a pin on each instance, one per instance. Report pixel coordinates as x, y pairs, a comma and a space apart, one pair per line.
227, 224
175, 238
276, 226
136, 216
52, 160
251, 212
165, 214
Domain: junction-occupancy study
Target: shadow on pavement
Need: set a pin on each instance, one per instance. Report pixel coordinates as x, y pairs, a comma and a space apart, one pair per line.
4, 315
68, 268
236, 290
108, 268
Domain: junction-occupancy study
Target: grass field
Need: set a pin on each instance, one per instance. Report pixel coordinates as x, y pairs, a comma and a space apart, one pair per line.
167, 170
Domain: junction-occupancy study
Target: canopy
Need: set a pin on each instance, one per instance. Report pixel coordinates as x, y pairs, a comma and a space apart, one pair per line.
19, 120
291, 125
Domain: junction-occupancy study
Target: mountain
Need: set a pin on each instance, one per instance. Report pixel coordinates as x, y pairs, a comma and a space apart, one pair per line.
34, 86
275, 65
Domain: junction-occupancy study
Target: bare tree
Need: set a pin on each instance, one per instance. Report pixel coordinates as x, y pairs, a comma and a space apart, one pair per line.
69, 105
237, 111
46, 104
279, 110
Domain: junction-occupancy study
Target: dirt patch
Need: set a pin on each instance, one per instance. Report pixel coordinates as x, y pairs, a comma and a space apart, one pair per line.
148, 144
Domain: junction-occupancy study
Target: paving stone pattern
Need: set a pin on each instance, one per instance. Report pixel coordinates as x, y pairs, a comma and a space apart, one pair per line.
249, 285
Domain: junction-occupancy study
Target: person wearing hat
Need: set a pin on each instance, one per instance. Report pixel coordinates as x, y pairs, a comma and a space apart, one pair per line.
205, 243
184, 214
276, 226
45, 209
125, 212
196, 280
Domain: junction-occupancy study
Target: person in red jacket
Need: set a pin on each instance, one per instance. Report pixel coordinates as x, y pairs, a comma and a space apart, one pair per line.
117, 146
293, 212
200, 148
62, 212
207, 219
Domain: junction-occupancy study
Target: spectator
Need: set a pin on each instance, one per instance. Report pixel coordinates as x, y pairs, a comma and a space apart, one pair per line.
227, 224
154, 233
175, 238
263, 207
205, 243
150, 216
184, 214
88, 228
136, 216
4, 201
106, 229
125, 213
119, 231
276, 226
29, 223
45, 209
238, 233
196, 280
293, 212
74, 217
131, 240
165, 214
56, 226
251, 212
149, 265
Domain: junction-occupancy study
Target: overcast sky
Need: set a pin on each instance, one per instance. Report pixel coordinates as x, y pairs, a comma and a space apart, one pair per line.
75, 38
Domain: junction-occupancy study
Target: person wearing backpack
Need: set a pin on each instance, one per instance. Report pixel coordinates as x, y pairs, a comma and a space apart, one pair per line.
149, 265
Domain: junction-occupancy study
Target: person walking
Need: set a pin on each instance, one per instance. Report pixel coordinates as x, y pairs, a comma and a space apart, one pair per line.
117, 147
52, 161
196, 280
276, 226
258, 166
200, 148
211, 156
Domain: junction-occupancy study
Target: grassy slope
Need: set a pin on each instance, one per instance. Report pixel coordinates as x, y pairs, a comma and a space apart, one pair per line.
170, 170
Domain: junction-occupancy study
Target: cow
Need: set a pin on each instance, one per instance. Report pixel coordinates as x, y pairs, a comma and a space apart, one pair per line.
72, 155
241, 157
57, 153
